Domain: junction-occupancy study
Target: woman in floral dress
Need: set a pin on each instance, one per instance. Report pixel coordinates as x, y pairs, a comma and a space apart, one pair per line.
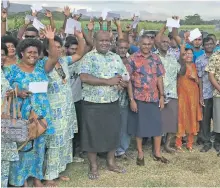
8, 149
31, 69
59, 146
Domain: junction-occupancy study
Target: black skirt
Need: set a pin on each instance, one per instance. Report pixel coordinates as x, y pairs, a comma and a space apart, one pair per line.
147, 122
100, 129
170, 117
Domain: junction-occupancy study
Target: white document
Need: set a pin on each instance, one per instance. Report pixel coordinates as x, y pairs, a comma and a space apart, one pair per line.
37, 24
126, 77
194, 34
38, 87
36, 8
82, 11
71, 24
29, 17
173, 23
135, 22
111, 16
5, 4
105, 13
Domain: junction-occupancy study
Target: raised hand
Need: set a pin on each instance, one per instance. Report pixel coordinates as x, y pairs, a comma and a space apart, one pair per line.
48, 32
90, 25
4, 14
48, 14
117, 22
78, 34
128, 28
66, 11
101, 21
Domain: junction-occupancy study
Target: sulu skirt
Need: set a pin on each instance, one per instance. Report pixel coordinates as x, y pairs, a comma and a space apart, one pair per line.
147, 122
100, 129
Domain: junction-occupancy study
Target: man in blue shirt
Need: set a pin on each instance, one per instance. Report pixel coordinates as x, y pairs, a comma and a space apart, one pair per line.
217, 48
206, 94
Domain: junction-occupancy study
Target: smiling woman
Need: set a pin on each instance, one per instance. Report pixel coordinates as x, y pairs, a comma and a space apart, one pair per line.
29, 70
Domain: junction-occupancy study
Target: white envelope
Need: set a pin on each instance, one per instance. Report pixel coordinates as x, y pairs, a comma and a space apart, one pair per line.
37, 24
5, 3
82, 11
36, 8
173, 23
194, 34
135, 22
38, 87
105, 13
71, 24
29, 17
111, 16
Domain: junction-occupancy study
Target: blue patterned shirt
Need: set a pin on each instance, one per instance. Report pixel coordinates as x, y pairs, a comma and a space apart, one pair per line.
201, 63
101, 66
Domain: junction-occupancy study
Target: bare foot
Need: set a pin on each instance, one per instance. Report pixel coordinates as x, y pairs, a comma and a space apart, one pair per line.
64, 178
117, 169
37, 183
50, 183
93, 173
25, 184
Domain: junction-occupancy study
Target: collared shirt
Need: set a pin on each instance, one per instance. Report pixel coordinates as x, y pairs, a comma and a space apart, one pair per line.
144, 73
101, 66
196, 54
172, 67
217, 48
201, 63
214, 67
174, 52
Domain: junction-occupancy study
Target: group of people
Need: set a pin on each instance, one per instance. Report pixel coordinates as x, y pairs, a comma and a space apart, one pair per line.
102, 90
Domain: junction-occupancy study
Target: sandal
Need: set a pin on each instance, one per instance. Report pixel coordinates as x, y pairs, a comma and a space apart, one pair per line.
180, 149
140, 162
161, 159
190, 149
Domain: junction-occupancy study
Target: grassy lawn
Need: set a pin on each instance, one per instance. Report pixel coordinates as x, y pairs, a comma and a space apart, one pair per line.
186, 169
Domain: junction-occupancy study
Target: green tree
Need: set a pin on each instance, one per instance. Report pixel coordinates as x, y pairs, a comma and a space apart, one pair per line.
193, 20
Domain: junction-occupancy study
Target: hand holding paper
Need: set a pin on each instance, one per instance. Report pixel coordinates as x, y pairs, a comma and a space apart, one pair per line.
194, 34
71, 24
5, 4
38, 87
38, 25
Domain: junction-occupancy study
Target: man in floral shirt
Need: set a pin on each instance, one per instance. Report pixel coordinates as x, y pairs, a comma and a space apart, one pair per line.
214, 76
101, 74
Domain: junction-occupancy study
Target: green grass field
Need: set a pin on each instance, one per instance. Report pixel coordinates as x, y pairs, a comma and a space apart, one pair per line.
142, 25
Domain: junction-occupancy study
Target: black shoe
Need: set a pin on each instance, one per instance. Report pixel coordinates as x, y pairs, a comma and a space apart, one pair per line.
199, 142
217, 147
205, 148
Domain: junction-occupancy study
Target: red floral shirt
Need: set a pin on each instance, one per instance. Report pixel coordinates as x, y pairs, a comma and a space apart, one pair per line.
144, 73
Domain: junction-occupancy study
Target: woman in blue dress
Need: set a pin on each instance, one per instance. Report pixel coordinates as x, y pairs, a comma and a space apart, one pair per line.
30, 69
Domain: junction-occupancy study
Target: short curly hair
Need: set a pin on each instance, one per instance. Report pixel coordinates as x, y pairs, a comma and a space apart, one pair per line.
24, 44
9, 39
4, 47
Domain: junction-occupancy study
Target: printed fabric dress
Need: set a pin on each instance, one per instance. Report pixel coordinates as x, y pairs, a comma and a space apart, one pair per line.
30, 163
190, 112
59, 145
8, 149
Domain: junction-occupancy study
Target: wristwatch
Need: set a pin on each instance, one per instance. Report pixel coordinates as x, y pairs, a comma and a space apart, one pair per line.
131, 99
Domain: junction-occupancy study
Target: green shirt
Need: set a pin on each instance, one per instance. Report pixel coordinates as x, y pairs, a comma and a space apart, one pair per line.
101, 66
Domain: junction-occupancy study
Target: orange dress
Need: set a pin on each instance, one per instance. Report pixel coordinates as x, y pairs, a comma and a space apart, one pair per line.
190, 111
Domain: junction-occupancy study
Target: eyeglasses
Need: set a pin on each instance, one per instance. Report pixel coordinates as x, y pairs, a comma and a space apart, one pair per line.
27, 36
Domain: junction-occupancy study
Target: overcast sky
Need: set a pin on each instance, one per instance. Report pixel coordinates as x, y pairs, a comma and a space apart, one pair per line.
207, 9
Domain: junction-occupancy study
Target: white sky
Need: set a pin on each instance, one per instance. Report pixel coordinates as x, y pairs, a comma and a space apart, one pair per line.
207, 9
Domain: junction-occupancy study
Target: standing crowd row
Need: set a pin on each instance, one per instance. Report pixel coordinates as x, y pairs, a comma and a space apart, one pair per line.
103, 89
